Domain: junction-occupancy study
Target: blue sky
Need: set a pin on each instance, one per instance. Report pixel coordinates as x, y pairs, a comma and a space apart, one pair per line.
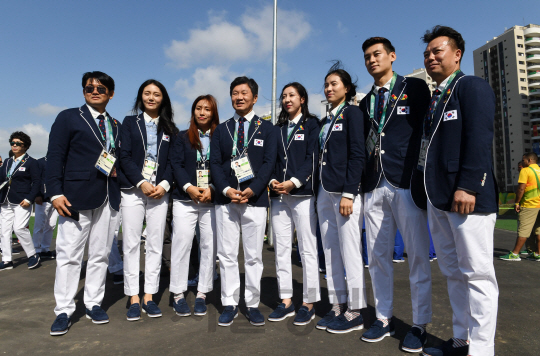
198, 47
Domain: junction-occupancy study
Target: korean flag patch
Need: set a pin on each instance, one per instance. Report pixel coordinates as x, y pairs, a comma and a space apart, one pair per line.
166, 138
403, 110
450, 115
338, 127
259, 143
299, 137
22, 169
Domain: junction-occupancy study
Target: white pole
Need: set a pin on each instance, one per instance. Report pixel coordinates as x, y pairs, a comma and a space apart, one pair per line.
274, 119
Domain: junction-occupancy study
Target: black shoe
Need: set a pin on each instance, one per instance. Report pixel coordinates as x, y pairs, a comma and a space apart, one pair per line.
118, 278
48, 255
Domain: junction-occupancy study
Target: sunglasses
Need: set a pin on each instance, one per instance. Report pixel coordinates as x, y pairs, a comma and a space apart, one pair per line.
89, 89
14, 143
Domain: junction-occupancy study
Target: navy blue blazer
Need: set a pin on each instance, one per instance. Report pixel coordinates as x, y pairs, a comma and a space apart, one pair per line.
133, 136
74, 146
262, 158
343, 153
459, 152
25, 181
400, 136
299, 156
184, 165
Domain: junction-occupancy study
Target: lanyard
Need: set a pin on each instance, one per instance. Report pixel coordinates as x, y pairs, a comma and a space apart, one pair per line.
444, 93
246, 143
111, 137
338, 112
199, 156
13, 165
382, 119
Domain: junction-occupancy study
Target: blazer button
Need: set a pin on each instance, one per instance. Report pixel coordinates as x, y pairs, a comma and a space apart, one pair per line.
325, 150
382, 152
382, 133
284, 170
285, 157
324, 163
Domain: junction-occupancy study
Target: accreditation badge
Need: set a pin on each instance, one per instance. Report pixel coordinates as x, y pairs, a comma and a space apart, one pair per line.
148, 170
203, 178
242, 168
105, 162
371, 142
423, 153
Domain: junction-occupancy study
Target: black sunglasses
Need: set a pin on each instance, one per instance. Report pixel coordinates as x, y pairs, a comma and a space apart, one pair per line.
89, 89
14, 143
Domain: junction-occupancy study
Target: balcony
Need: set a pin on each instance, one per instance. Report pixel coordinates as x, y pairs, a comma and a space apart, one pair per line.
533, 58
533, 66
532, 32
534, 101
532, 41
533, 74
534, 110
532, 50
534, 85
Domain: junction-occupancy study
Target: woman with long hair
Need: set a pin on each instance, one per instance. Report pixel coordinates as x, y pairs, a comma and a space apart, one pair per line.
192, 204
293, 185
146, 177
339, 203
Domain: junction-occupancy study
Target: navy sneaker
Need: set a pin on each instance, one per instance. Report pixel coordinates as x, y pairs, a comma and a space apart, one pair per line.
281, 312
6, 265
341, 325
377, 331
97, 315
33, 261
226, 318
323, 323
446, 349
181, 308
200, 307
255, 317
304, 316
134, 312
48, 255
151, 309
61, 325
414, 340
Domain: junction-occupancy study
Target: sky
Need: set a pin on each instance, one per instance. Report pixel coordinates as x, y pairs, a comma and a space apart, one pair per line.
199, 47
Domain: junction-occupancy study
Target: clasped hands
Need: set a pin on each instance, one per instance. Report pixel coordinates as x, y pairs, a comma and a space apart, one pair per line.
150, 191
200, 195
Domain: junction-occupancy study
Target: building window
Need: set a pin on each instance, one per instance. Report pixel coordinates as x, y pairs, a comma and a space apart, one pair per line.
523, 96
520, 46
522, 70
521, 62
527, 141
526, 132
522, 79
524, 106
519, 37
523, 88
526, 114
520, 54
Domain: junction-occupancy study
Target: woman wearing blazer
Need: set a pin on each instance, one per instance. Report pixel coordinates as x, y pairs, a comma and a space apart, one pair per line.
293, 185
192, 204
146, 177
339, 203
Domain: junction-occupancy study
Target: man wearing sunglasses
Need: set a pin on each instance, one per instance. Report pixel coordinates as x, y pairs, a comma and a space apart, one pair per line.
84, 189
19, 186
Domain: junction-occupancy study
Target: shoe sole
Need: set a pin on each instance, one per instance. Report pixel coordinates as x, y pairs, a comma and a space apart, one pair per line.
228, 324
390, 333
199, 314
6, 268
300, 323
152, 315
256, 324
181, 314
133, 319
406, 349
63, 332
282, 318
320, 327
359, 327
398, 261
97, 321
513, 259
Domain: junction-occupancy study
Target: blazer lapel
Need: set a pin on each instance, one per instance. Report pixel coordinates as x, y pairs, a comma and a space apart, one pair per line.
19, 164
295, 129
441, 107
141, 123
397, 92
86, 116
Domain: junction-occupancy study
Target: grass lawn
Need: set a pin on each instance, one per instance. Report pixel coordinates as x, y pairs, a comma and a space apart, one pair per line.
506, 224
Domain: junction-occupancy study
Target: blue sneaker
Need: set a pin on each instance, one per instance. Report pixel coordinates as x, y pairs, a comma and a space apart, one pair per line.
323, 323
181, 308
61, 325
255, 317
97, 315
281, 312
341, 325
151, 309
304, 316
6, 265
33, 261
414, 340
134, 312
446, 349
226, 318
377, 331
200, 307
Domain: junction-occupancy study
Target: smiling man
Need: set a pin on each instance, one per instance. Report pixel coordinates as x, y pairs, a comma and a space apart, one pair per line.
396, 107
461, 192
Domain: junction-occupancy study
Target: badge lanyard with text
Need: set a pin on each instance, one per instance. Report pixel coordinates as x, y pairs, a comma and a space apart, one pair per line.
106, 160
240, 163
203, 174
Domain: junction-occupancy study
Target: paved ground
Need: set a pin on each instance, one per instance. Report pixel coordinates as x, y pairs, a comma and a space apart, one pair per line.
27, 302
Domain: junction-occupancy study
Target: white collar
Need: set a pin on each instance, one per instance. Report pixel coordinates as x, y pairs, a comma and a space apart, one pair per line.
148, 119
443, 83
207, 133
18, 159
387, 86
334, 110
95, 113
296, 118
248, 117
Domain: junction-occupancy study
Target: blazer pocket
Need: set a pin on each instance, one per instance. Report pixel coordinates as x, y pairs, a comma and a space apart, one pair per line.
77, 176
452, 165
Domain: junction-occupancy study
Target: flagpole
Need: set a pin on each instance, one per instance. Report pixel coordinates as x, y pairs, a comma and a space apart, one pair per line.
274, 119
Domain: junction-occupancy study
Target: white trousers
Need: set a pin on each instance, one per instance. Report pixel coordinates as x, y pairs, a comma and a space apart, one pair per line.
290, 212
386, 209
135, 205
231, 219
342, 243
97, 227
15, 218
115, 260
44, 224
464, 245
185, 218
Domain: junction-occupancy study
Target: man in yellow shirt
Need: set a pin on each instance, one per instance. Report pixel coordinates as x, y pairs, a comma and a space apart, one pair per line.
528, 196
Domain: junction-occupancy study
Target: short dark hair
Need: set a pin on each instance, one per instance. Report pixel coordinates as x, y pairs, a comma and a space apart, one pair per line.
23, 137
520, 163
337, 69
438, 31
531, 156
375, 40
252, 84
100, 77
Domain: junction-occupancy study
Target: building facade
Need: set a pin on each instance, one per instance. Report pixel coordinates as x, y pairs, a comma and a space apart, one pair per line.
422, 74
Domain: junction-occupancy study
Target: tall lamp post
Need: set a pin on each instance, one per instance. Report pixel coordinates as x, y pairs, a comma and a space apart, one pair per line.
274, 119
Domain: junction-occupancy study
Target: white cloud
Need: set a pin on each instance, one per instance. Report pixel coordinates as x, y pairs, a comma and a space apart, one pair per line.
226, 42
315, 106
46, 109
38, 134
341, 27
181, 115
